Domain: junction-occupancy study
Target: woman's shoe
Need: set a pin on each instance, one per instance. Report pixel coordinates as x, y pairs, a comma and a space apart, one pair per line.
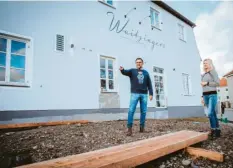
217, 133
212, 134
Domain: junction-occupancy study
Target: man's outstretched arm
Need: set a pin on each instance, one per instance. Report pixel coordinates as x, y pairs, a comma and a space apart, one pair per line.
125, 72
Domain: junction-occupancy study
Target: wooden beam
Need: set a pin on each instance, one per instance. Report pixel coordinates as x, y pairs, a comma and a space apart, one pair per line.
27, 125
212, 155
127, 155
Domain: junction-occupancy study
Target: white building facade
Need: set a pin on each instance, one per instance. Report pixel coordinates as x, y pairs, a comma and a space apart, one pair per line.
223, 94
230, 84
60, 60
223, 91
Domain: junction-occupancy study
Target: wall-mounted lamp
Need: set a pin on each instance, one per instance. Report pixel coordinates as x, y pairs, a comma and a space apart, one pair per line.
130, 11
140, 22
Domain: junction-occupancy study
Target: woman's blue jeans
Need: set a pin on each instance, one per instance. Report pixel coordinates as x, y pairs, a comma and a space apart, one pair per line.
211, 103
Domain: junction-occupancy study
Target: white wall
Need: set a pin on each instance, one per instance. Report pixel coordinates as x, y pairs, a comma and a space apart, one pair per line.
70, 80
230, 87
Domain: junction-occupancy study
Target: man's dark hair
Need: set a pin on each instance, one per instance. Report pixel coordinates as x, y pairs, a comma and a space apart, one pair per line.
139, 59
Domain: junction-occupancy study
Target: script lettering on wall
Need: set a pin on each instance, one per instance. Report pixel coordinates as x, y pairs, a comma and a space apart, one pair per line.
134, 35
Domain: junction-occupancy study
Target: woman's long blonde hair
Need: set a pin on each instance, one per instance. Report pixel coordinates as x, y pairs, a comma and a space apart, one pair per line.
210, 62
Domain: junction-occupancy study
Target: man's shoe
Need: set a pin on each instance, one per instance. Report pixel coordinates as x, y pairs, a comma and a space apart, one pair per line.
142, 129
129, 133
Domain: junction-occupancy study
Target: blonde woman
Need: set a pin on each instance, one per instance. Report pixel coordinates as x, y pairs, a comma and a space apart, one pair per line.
210, 82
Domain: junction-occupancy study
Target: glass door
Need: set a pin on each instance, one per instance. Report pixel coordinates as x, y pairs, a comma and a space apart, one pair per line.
159, 87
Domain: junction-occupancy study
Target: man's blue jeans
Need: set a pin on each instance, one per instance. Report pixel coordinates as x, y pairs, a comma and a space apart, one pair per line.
211, 103
142, 98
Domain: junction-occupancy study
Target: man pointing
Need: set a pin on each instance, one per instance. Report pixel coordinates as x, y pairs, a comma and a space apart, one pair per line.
140, 84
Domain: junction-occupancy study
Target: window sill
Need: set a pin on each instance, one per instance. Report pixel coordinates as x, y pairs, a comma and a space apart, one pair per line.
58, 51
105, 92
15, 85
160, 107
154, 27
187, 95
111, 6
182, 40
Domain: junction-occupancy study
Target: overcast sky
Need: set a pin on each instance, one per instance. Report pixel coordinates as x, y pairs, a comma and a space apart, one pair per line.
214, 31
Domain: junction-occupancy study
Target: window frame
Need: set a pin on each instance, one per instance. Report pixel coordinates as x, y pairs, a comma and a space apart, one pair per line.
159, 18
184, 39
28, 45
190, 93
106, 58
6, 63
106, 3
164, 86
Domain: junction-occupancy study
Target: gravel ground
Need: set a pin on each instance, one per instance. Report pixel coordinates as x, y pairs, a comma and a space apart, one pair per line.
44, 143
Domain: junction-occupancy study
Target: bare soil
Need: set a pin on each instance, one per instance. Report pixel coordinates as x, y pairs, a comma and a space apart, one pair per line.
20, 147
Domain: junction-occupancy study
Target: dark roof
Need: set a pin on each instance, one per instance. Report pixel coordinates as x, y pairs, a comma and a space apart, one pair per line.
228, 74
174, 12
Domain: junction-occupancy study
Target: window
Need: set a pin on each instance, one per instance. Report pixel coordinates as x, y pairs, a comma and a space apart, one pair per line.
159, 87
108, 2
107, 75
13, 58
227, 97
226, 89
181, 32
59, 42
154, 17
186, 84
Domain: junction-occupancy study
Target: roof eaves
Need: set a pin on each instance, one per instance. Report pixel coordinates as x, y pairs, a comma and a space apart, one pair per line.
174, 12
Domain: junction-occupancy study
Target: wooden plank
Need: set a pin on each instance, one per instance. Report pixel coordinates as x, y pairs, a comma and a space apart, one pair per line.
86, 157
127, 155
212, 155
84, 160
53, 123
